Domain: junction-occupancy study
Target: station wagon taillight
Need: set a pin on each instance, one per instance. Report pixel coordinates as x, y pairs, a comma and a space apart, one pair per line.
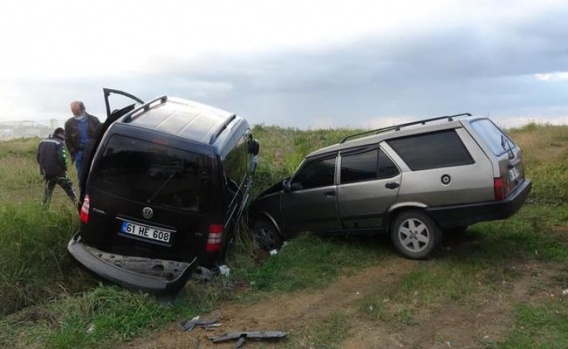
500, 189
84, 214
215, 237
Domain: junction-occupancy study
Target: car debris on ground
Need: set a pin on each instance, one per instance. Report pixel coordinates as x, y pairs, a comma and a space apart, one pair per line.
187, 326
241, 337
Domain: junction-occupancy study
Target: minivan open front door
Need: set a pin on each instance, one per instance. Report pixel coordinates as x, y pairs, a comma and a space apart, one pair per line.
116, 113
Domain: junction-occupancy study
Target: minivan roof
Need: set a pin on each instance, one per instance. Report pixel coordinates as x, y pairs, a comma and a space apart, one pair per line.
180, 117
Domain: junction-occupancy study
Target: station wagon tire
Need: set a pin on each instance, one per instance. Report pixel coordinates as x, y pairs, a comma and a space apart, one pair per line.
415, 234
266, 236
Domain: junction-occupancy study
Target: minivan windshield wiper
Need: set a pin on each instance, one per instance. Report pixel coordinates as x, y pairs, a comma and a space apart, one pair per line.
162, 187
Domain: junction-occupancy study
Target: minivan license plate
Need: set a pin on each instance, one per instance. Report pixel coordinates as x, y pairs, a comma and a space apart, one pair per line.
146, 231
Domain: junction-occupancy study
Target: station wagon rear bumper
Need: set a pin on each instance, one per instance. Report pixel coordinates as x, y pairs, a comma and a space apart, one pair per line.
138, 273
468, 214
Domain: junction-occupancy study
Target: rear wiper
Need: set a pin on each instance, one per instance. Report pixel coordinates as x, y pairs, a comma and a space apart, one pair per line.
506, 145
162, 187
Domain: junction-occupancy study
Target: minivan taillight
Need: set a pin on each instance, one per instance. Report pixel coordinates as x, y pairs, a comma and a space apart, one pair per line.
84, 214
215, 237
499, 187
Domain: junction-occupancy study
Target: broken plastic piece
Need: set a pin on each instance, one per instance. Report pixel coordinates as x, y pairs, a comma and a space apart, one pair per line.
249, 335
207, 324
202, 273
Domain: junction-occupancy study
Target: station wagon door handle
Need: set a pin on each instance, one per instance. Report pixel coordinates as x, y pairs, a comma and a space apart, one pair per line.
329, 194
392, 185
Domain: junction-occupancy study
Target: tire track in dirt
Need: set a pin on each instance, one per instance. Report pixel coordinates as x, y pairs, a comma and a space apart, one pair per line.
290, 312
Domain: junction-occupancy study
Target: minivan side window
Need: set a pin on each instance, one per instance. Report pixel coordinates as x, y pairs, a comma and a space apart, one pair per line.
235, 164
493, 136
432, 150
315, 174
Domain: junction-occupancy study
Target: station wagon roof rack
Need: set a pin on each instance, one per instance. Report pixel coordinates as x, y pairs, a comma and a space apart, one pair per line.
398, 127
222, 128
145, 107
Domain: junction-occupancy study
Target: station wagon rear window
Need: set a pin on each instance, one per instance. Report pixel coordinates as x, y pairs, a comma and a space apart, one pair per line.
432, 150
496, 139
154, 174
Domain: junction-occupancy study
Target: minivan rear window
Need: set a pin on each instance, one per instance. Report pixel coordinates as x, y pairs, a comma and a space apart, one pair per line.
493, 136
154, 174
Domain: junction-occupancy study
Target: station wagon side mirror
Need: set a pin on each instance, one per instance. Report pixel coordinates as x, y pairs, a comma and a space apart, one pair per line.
254, 146
286, 185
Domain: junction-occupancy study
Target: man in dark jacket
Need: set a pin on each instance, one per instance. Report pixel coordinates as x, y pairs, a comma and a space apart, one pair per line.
80, 129
52, 160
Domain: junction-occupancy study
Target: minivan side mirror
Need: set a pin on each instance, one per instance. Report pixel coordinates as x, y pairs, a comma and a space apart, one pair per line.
254, 146
286, 185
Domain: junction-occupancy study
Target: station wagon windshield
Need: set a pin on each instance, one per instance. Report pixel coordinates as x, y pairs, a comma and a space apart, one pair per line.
154, 174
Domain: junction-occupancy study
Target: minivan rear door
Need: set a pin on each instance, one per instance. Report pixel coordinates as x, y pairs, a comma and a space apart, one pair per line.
148, 198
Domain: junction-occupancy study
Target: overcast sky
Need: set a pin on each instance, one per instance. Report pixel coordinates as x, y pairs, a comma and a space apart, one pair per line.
305, 64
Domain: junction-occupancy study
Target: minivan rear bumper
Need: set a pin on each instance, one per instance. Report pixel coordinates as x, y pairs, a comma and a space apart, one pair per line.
138, 273
468, 214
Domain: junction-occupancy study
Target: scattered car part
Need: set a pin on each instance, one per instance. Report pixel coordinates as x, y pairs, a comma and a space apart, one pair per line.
249, 335
191, 324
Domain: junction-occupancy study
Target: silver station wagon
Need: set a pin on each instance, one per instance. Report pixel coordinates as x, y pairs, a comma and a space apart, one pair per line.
415, 181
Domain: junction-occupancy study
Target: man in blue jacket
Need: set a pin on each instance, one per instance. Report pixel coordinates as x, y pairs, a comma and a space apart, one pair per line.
52, 160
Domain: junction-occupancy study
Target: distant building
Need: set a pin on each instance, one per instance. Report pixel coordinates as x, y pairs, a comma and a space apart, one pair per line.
23, 129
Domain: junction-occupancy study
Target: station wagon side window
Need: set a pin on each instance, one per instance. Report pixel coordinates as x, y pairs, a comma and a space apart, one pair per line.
366, 165
315, 174
359, 166
432, 150
387, 168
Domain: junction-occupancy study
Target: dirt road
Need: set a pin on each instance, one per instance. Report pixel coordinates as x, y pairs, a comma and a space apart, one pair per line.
452, 326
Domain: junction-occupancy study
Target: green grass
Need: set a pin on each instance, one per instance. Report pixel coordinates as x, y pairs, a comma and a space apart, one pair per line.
312, 262
539, 326
329, 333
100, 317
47, 301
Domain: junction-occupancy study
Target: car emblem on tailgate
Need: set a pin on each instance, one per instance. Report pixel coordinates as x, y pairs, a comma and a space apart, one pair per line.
147, 212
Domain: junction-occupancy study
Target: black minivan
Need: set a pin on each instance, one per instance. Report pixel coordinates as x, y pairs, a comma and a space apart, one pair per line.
165, 186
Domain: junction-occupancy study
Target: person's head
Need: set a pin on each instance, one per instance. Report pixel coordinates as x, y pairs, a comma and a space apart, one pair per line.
59, 133
78, 109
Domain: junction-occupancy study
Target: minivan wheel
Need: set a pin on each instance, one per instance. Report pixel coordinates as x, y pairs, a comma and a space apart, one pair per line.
415, 235
266, 236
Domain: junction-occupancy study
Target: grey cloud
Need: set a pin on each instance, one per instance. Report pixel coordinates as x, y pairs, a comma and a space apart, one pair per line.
484, 68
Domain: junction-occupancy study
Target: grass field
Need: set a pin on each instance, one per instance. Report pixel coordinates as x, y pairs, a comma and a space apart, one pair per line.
47, 301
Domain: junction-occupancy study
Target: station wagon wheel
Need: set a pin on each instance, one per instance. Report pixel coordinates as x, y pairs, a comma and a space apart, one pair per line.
415, 235
266, 236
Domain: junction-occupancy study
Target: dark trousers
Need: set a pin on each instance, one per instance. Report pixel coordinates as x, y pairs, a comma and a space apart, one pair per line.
64, 182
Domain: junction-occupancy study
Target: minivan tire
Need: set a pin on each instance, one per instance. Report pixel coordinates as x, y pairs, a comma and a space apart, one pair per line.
415, 234
266, 236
